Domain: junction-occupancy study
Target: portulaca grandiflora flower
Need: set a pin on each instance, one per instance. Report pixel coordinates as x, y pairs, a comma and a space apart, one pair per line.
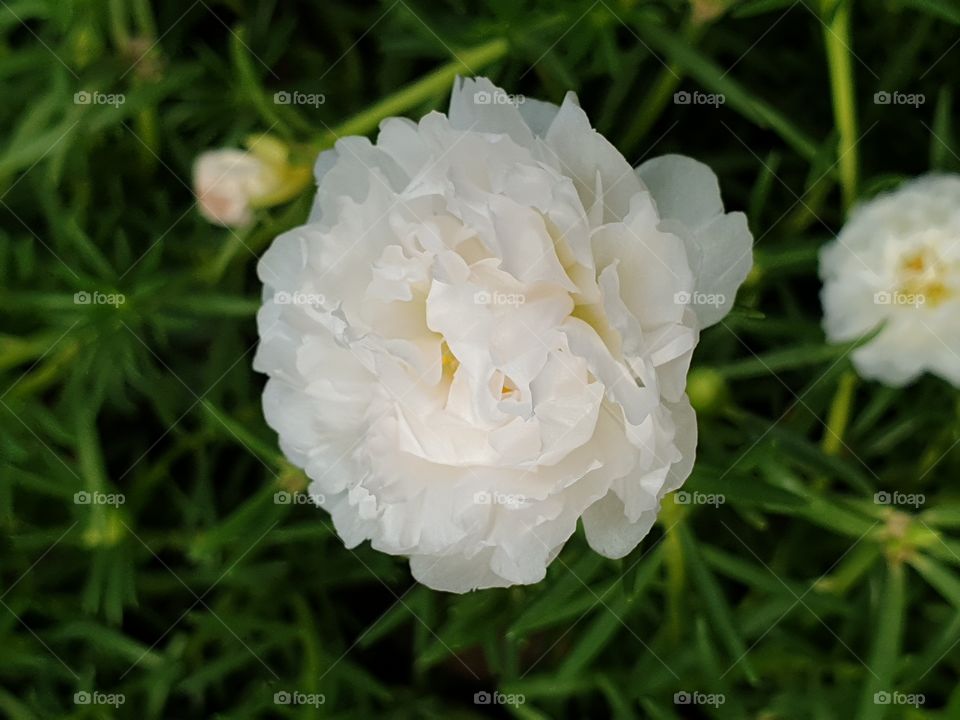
482, 335
230, 184
896, 267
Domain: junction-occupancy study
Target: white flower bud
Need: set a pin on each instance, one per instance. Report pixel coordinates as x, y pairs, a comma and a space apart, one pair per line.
229, 184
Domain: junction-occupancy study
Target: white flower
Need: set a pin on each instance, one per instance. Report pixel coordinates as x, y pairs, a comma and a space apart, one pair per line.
509, 311
896, 264
226, 181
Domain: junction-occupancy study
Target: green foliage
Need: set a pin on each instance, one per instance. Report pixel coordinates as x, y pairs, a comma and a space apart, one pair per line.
202, 596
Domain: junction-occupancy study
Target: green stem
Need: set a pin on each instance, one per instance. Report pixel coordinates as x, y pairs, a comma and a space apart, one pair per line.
118, 24
653, 104
839, 414
836, 35
659, 95
405, 99
672, 518
807, 212
416, 93
885, 657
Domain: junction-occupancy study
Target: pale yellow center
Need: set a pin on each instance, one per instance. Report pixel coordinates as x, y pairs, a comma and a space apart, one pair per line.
923, 273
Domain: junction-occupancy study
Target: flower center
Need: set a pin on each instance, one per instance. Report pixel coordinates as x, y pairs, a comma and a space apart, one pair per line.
508, 387
923, 274
449, 365
448, 361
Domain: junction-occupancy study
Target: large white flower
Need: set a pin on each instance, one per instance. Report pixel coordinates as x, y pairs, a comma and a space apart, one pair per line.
896, 264
483, 333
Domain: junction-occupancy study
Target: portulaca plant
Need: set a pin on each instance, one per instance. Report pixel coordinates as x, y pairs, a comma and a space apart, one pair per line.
895, 269
482, 334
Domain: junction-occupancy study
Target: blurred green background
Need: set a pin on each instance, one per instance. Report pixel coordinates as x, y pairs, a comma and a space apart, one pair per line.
803, 595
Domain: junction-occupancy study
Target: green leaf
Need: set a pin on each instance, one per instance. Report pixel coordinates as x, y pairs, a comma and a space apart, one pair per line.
611, 616
942, 580
784, 360
717, 606
716, 80
563, 600
948, 10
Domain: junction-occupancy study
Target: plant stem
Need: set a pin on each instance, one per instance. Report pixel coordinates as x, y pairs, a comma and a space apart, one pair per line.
659, 95
653, 104
836, 35
427, 87
672, 518
839, 414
